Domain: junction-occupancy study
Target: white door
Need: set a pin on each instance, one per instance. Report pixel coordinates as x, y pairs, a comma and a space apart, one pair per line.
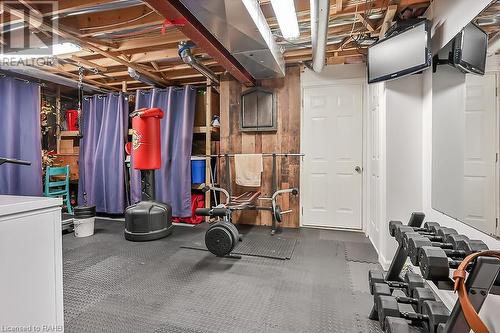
480, 152
332, 143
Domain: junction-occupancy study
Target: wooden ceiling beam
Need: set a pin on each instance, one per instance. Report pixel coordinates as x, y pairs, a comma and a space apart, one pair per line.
64, 33
157, 69
329, 48
56, 70
179, 73
112, 20
339, 5
88, 63
308, 57
169, 37
120, 83
389, 16
72, 5
366, 22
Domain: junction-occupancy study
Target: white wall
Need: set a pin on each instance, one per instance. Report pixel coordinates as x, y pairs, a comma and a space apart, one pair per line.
375, 208
403, 150
395, 153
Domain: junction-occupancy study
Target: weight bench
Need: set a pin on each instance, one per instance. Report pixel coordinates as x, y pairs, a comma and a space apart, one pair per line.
247, 200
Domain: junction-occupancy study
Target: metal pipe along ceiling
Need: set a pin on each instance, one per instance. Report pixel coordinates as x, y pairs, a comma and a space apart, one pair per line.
320, 11
188, 58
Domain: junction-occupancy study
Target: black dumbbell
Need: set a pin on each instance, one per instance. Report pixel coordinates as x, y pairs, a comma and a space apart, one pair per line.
433, 313
410, 282
418, 295
441, 235
438, 234
444, 234
452, 249
395, 225
434, 261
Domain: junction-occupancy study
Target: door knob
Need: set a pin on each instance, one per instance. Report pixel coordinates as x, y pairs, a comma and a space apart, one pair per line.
358, 169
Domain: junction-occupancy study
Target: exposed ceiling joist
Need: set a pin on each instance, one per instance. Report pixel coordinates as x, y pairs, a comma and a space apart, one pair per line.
339, 5
138, 43
74, 76
366, 22
389, 16
88, 63
63, 32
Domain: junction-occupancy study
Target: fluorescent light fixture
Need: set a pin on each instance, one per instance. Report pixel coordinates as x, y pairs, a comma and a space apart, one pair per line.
64, 48
57, 49
287, 18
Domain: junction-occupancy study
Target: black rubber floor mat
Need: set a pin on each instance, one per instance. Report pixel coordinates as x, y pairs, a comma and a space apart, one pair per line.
360, 252
265, 246
113, 285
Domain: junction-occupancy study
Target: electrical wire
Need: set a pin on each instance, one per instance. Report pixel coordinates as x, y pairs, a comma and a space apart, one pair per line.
137, 33
119, 23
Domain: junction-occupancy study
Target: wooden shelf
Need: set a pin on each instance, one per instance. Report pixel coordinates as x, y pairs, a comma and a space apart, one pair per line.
69, 133
196, 130
68, 154
203, 129
200, 187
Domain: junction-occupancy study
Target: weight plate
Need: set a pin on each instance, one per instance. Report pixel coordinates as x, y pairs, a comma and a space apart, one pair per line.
234, 232
277, 213
219, 240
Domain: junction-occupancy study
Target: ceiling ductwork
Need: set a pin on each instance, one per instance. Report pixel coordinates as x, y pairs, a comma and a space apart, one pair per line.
240, 26
142, 78
320, 13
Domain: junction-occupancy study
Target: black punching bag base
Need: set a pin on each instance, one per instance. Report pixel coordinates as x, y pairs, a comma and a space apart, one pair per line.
147, 221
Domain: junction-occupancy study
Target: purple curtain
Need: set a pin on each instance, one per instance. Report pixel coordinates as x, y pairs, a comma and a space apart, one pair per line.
20, 137
102, 154
173, 179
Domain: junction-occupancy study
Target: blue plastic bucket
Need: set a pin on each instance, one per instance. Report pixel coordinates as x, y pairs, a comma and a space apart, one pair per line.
198, 170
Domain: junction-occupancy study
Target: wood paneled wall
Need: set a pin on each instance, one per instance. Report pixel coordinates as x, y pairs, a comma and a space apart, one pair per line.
285, 140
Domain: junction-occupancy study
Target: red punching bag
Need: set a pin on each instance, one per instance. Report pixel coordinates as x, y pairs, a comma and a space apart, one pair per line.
146, 138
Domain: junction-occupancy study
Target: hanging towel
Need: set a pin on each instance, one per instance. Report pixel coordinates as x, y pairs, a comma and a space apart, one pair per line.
248, 169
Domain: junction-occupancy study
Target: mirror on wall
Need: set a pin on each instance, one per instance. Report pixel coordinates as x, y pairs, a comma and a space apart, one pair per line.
465, 128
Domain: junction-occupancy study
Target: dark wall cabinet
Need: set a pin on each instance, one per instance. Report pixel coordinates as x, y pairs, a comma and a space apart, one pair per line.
258, 112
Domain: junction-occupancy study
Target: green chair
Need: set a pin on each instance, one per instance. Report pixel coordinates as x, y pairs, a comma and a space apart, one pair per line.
58, 187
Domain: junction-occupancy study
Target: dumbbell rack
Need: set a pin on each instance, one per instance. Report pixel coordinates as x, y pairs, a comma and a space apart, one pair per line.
483, 280
480, 282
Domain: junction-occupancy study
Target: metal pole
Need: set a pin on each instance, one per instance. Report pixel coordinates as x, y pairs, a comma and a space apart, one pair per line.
147, 185
274, 181
227, 168
263, 154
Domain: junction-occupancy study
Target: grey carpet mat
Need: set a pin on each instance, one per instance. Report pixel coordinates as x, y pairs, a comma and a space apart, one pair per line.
266, 246
112, 285
361, 252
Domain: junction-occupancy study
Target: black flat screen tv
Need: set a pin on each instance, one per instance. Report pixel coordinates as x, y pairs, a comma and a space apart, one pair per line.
469, 50
404, 52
